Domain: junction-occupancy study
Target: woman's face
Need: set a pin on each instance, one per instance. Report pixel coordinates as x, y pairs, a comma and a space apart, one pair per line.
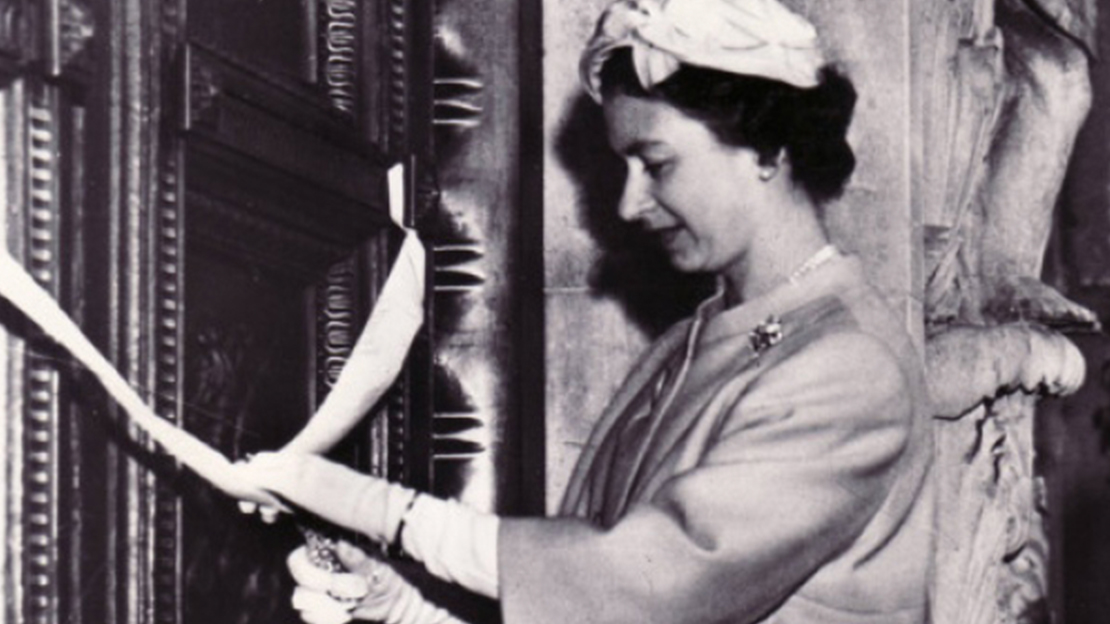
702, 198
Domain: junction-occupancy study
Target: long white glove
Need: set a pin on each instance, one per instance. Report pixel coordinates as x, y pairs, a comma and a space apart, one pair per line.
456, 543
370, 589
336, 493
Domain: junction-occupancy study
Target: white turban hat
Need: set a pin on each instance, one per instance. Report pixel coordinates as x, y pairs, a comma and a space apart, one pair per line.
750, 37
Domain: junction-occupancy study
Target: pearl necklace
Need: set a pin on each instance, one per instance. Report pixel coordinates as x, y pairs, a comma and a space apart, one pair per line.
822, 256
770, 332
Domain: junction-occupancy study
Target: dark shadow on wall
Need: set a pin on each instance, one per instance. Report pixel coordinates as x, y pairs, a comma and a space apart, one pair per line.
631, 269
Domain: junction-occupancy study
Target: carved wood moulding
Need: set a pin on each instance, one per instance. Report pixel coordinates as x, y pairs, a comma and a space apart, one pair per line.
338, 323
360, 60
167, 274
340, 66
398, 28
38, 480
344, 299
228, 229
168, 340
41, 385
70, 27
15, 34
216, 86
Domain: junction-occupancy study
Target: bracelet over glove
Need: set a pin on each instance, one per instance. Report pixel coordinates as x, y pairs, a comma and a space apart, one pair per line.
370, 589
455, 542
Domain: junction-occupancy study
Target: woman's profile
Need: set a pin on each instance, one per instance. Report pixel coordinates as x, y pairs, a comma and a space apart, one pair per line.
767, 460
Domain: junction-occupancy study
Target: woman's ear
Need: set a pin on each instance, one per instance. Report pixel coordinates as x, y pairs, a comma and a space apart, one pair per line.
769, 165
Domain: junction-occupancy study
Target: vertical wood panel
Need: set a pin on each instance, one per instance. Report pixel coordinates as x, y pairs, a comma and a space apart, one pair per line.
15, 153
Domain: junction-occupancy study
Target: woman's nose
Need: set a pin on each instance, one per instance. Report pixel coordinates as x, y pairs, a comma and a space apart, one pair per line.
635, 200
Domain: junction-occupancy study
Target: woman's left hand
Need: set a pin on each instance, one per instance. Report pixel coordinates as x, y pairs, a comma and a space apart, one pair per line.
345, 497
370, 589
367, 590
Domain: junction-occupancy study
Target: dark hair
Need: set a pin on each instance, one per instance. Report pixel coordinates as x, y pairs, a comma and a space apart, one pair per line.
768, 116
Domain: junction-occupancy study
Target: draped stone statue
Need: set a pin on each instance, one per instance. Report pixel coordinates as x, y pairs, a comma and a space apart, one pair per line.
1003, 89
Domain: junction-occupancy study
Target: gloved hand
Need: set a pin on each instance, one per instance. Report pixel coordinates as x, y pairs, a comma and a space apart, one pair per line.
369, 590
455, 542
340, 495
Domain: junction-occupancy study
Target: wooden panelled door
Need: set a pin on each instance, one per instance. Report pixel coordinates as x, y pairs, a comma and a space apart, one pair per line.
201, 183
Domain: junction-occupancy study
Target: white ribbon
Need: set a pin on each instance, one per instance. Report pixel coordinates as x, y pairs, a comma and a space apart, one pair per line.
20, 288
380, 351
378, 356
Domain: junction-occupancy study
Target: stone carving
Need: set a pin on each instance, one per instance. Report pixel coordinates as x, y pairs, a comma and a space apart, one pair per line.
1004, 101
469, 234
1022, 92
457, 87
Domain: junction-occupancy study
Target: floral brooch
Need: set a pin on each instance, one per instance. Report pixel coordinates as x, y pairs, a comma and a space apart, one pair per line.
766, 335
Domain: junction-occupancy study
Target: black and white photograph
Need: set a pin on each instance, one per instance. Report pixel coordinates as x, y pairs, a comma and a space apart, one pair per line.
555, 311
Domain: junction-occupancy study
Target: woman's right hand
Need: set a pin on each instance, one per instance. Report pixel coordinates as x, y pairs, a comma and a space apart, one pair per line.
336, 493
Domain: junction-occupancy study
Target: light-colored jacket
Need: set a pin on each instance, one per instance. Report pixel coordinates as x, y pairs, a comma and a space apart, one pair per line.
724, 484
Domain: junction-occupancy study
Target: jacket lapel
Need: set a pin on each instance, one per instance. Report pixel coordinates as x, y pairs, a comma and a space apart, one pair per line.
712, 387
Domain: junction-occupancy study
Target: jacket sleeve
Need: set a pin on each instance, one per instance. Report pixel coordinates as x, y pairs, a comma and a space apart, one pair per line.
802, 462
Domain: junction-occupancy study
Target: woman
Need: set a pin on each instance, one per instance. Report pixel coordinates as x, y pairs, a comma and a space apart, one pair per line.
767, 460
